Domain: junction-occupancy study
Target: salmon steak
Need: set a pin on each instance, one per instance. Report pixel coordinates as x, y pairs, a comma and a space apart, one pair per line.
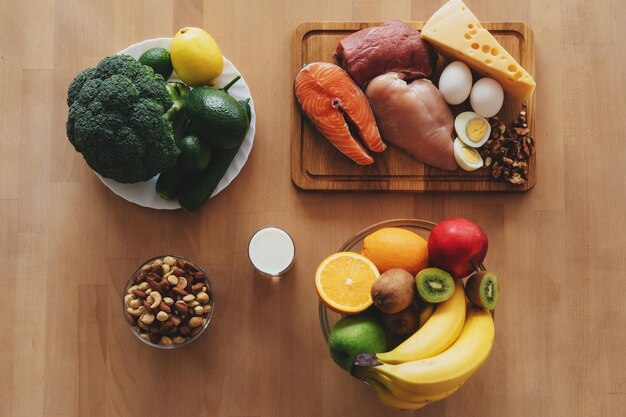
337, 107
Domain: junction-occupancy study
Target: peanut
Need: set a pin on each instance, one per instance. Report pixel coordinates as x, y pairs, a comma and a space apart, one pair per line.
147, 318
162, 316
195, 322
203, 297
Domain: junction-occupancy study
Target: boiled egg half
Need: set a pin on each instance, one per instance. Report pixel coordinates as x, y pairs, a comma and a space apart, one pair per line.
472, 129
468, 158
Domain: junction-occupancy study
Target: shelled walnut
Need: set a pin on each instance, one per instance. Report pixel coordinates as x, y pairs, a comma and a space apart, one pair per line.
507, 152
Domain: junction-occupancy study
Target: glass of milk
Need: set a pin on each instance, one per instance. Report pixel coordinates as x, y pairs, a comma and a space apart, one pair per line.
271, 251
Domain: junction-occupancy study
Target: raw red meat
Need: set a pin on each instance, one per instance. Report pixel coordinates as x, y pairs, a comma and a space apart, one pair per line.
391, 47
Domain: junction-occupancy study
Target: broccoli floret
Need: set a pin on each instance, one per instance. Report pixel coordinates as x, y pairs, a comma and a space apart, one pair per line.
117, 120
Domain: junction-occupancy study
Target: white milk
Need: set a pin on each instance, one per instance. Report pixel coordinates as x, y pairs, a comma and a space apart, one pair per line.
271, 250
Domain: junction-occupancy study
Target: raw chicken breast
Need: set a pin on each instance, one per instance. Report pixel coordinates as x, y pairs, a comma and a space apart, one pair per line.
414, 117
392, 46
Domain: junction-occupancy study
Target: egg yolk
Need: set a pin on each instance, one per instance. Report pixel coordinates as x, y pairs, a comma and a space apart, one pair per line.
470, 155
476, 129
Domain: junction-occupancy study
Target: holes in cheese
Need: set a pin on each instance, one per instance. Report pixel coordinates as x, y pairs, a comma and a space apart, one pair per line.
456, 33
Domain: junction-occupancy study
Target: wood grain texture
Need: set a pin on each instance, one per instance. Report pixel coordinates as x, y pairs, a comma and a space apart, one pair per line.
317, 165
69, 244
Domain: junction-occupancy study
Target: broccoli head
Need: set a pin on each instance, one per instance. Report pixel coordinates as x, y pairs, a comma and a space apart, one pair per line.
117, 119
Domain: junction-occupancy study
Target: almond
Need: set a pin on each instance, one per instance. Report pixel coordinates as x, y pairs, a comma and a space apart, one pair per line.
165, 307
139, 293
168, 327
179, 291
181, 306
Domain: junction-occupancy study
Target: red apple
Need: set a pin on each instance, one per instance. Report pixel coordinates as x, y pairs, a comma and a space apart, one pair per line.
457, 246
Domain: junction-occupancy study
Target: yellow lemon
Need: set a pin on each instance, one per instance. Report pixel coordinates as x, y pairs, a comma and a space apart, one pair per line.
196, 58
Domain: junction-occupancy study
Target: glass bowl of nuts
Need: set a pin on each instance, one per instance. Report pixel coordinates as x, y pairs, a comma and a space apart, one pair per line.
168, 302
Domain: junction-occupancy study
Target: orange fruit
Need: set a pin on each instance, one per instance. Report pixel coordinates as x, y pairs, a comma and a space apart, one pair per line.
344, 282
393, 247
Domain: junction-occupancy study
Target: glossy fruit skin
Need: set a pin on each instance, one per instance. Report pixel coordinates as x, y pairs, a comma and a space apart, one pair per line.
446, 371
352, 335
394, 247
220, 120
457, 246
159, 60
196, 57
438, 333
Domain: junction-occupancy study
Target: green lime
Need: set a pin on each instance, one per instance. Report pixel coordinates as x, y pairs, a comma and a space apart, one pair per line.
159, 60
221, 121
194, 156
351, 335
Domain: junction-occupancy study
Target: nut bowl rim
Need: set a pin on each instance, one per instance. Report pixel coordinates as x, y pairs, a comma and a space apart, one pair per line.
358, 237
189, 340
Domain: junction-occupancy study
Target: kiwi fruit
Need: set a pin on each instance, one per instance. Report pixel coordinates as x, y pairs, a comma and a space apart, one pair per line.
393, 291
434, 285
483, 289
402, 323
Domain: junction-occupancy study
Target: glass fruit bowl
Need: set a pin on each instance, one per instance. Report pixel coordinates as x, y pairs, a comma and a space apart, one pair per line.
422, 227
170, 305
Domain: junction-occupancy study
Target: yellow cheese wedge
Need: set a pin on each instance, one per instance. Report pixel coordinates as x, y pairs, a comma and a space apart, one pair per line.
455, 32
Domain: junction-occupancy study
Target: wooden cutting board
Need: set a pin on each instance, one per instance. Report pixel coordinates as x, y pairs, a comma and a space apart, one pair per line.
317, 165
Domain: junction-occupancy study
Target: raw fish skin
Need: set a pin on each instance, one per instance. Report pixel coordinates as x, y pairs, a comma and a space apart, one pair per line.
414, 117
391, 47
329, 97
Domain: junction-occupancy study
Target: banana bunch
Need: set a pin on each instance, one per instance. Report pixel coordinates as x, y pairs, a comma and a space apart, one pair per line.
436, 360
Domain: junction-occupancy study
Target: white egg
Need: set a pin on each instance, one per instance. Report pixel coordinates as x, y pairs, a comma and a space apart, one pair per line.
486, 97
468, 158
455, 82
472, 129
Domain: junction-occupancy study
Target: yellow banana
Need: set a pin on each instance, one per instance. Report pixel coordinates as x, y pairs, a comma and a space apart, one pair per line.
449, 369
426, 310
436, 335
405, 395
386, 397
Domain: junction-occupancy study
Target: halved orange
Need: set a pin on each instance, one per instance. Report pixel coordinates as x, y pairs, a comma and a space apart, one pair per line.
344, 282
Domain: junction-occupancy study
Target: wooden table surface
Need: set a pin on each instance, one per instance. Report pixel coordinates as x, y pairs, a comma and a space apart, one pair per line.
69, 244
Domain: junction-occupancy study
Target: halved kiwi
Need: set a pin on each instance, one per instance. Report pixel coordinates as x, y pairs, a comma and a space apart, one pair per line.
434, 285
483, 289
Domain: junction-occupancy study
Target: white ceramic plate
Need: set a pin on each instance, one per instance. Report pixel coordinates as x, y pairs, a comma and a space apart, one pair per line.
143, 193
